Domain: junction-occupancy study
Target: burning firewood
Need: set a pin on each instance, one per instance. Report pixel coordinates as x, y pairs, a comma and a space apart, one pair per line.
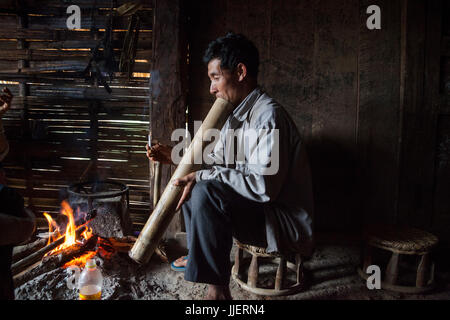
54, 261
126, 243
20, 252
122, 244
36, 256
69, 253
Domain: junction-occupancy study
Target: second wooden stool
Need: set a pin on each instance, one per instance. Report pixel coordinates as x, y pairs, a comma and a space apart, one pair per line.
400, 241
252, 285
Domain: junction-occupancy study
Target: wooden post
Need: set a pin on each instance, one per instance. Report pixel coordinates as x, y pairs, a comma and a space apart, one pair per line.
253, 270
422, 270
168, 85
299, 267
392, 269
237, 260
281, 271
162, 215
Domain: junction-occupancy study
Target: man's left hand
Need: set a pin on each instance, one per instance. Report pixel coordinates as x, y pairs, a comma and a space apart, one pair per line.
188, 182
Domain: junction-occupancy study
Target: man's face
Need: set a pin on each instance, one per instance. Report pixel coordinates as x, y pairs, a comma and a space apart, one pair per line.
224, 83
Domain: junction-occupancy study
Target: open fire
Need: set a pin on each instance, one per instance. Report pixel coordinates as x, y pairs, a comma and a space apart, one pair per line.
92, 223
70, 234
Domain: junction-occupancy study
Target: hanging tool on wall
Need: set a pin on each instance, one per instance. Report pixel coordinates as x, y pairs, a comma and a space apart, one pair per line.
130, 8
102, 62
129, 48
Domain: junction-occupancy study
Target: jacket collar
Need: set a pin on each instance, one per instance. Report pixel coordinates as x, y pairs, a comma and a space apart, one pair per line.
242, 110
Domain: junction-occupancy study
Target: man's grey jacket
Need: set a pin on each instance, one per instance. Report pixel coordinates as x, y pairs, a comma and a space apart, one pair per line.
272, 168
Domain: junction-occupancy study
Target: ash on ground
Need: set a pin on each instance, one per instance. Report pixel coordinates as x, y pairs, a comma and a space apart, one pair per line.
122, 279
331, 274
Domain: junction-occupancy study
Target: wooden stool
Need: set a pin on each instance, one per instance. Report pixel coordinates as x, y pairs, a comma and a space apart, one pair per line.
253, 271
400, 241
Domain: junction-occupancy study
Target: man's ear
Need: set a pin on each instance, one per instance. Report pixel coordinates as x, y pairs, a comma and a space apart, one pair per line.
241, 70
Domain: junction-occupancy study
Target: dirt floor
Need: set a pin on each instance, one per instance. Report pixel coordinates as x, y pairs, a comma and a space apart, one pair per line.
331, 274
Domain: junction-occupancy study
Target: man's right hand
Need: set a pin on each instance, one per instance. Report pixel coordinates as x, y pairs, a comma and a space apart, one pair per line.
160, 152
188, 182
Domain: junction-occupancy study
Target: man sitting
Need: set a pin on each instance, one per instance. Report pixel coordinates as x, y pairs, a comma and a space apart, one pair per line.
267, 203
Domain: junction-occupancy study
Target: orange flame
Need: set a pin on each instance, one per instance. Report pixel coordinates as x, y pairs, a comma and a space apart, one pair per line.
52, 235
87, 233
81, 261
50, 227
70, 233
70, 227
70, 237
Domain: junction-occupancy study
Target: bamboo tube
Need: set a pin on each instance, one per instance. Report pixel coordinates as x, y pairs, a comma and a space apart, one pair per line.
164, 211
157, 184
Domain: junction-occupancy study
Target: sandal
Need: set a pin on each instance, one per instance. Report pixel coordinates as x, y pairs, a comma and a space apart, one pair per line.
175, 268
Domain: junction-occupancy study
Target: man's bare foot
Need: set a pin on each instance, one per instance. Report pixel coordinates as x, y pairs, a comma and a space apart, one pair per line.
218, 293
181, 262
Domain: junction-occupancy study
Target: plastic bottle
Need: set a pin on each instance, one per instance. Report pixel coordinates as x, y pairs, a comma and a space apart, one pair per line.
91, 281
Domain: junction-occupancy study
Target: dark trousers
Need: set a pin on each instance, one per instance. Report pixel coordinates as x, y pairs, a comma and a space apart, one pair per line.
213, 215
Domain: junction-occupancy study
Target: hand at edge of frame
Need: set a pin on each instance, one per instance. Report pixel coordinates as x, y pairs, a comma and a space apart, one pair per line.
159, 152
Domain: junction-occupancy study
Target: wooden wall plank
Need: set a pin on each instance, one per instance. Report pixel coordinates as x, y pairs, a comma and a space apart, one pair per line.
421, 105
431, 110
441, 200
308, 55
168, 87
62, 4
334, 115
46, 34
51, 55
287, 64
379, 122
202, 30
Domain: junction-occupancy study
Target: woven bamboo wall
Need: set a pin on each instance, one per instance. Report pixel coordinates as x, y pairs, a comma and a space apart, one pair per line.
61, 127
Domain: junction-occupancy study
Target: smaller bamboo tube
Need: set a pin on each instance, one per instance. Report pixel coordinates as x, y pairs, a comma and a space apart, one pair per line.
157, 183
165, 209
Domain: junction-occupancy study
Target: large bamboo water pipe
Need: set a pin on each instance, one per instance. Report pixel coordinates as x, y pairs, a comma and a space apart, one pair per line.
164, 211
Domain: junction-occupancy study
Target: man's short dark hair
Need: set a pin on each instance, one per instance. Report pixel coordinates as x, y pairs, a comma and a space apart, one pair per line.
231, 50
